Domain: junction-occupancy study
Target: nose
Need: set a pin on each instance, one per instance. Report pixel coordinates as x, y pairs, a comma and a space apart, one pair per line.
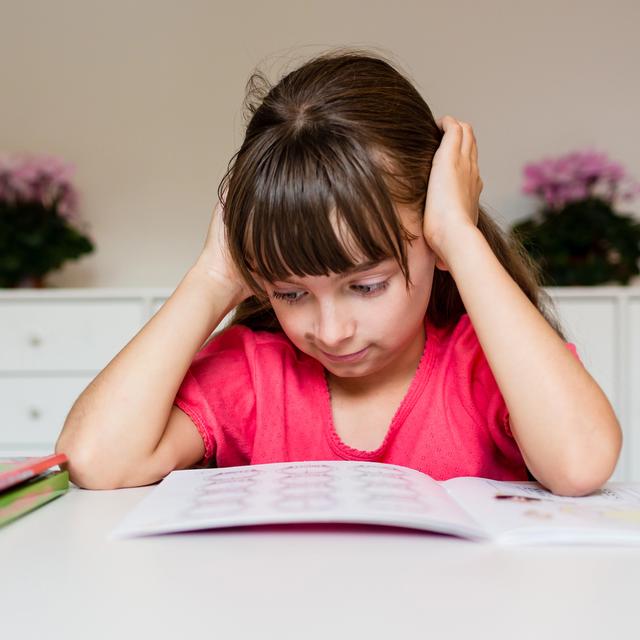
334, 327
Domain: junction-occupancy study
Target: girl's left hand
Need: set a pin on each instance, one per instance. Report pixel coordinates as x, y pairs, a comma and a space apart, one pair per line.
454, 187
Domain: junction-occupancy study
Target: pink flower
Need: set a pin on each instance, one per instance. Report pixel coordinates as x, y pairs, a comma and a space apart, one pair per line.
43, 179
576, 176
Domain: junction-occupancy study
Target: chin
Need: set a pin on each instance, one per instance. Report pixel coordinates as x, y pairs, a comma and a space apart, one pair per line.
345, 372
355, 370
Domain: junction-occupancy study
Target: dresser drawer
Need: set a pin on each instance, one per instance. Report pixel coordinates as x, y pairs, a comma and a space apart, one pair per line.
33, 409
65, 335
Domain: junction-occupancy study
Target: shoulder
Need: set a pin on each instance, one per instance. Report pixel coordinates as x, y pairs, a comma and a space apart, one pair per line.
460, 364
460, 343
456, 343
460, 360
231, 359
239, 343
466, 368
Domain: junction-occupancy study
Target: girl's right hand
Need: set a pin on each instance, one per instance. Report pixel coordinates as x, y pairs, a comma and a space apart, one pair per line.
215, 259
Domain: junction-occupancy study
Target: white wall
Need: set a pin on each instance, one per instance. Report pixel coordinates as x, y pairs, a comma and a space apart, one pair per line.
145, 98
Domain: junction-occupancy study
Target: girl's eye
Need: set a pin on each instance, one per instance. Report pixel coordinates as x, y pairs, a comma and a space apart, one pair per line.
364, 289
370, 289
289, 298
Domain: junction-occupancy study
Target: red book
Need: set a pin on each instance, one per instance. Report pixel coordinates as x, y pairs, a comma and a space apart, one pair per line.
16, 470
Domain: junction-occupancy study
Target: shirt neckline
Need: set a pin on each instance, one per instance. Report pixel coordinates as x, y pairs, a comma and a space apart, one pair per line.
416, 387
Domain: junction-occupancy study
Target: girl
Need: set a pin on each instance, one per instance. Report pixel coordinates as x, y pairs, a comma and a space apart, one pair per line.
375, 318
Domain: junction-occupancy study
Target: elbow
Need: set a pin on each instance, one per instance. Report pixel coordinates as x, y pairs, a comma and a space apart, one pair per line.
88, 467
84, 471
587, 472
577, 487
90, 470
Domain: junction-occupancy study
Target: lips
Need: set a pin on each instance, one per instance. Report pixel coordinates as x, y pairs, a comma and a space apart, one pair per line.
350, 357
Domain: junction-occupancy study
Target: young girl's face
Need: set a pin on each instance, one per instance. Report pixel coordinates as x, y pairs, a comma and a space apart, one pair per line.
369, 311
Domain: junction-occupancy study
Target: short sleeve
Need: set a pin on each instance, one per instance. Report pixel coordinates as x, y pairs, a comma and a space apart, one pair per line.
217, 393
489, 402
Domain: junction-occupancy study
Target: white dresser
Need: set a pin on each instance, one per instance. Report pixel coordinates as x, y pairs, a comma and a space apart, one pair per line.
53, 342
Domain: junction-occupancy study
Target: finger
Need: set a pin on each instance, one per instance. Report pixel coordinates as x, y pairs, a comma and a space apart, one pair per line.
452, 133
468, 140
474, 154
445, 122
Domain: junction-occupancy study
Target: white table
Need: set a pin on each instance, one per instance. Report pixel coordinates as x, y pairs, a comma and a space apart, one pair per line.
61, 578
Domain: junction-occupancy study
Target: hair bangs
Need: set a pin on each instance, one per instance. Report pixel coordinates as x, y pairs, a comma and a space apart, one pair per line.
320, 205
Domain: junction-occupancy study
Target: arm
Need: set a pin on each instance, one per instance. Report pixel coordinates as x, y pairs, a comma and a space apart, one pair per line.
123, 429
562, 421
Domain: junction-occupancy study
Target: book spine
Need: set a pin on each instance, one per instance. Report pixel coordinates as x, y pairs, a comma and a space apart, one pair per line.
31, 467
30, 496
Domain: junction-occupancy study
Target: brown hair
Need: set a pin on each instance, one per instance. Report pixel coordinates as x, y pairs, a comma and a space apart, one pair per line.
341, 138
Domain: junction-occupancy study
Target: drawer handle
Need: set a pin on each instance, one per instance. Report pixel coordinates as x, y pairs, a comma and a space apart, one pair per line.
35, 340
35, 413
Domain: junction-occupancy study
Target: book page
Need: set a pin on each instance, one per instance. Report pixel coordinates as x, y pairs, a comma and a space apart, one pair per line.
526, 513
322, 491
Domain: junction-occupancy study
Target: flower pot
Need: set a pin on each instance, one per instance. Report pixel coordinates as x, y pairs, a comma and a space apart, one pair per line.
31, 282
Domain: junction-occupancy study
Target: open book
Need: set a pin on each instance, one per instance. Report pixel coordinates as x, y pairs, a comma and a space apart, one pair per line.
384, 494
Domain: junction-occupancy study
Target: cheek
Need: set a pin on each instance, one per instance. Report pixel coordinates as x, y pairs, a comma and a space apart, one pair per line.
411, 304
422, 267
290, 322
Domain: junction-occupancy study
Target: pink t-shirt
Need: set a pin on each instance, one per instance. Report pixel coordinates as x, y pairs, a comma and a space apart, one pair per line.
255, 398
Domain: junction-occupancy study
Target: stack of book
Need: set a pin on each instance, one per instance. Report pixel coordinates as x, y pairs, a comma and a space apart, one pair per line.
28, 483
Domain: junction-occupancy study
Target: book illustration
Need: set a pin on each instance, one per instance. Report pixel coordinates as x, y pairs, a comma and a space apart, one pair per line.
389, 489
304, 488
521, 505
314, 491
531, 491
223, 494
588, 513
312, 487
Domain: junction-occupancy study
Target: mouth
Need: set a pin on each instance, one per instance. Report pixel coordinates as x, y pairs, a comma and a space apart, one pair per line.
350, 357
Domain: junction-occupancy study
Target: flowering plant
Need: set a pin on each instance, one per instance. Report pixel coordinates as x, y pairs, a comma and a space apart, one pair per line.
39, 225
576, 237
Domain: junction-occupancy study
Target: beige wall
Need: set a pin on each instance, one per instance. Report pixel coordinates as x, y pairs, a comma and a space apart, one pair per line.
144, 96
